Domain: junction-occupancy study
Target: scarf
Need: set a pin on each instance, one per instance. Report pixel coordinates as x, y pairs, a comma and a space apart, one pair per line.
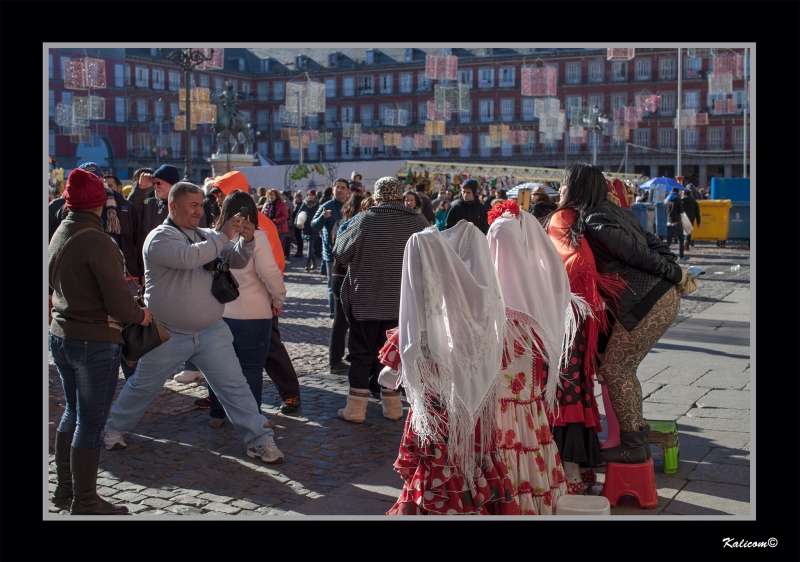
539, 303
112, 220
269, 207
584, 278
451, 322
310, 206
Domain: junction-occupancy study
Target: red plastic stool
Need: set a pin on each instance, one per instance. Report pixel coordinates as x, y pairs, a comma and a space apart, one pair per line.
639, 480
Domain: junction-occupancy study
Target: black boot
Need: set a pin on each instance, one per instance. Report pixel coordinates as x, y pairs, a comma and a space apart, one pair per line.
62, 496
646, 429
633, 448
84, 485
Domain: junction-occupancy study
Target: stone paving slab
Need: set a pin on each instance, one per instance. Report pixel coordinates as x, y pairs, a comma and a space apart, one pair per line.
721, 472
677, 394
710, 498
716, 424
678, 375
722, 380
735, 399
722, 413
663, 411
704, 437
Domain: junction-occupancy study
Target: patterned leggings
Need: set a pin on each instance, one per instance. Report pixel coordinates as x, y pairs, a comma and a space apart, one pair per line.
626, 350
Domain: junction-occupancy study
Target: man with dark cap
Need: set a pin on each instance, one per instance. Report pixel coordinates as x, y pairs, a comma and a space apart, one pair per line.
91, 303
468, 208
372, 247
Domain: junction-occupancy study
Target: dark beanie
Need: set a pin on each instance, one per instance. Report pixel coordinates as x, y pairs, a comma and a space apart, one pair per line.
84, 190
168, 173
92, 167
675, 190
472, 184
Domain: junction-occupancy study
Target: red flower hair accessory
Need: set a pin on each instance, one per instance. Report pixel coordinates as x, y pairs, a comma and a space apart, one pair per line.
498, 209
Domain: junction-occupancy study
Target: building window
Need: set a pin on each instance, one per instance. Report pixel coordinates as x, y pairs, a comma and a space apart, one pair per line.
667, 103
366, 85
405, 83
465, 77
407, 54
486, 78
246, 90
176, 142
158, 110
241, 65
349, 86
642, 69
313, 151
641, 137
569, 103
689, 139
330, 151
465, 115
691, 100
50, 66
51, 142
234, 84
141, 77
130, 141
204, 81
174, 109
386, 84
127, 75
277, 150
265, 68
466, 142
486, 111
370, 56
596, 72
692, 67
277, 124
666, 69
262, 146
330, 117
596, 100
347, 114
666, 138
738, 136
263, 91
66, 98
506, 149
527, 109
119, 76
262, 120
619, 71
507, 77
422, 111
312, 122
51, 103
217, 85
141, 109
64, 61
347, 148
278, 90
158, 79
741, 101
174, 81
423, 83
485, 149
330, 87
507, 110
715, 139
573, 71
366, 115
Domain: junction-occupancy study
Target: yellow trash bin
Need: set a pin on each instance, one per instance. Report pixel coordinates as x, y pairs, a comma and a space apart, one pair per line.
713, 220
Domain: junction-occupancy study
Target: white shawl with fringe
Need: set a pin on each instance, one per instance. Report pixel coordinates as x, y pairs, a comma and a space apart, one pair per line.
534, 283
452, 320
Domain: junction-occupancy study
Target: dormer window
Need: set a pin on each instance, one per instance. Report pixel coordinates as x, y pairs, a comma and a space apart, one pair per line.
332, 59
407, 54
370, 56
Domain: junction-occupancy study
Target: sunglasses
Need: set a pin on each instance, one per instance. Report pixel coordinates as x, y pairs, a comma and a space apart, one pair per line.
157, 182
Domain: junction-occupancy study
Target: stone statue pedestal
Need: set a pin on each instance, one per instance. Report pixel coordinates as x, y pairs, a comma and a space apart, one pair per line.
224, 163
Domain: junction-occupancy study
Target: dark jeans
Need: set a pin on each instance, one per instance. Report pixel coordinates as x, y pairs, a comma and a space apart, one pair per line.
251, 339
287, 242
89, 372
314, 252
675, 231
298, 238
279, 366
340, 323
328, 267
367, 337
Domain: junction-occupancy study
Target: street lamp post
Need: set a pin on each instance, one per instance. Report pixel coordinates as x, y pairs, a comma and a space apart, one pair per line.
188, 59
596, 126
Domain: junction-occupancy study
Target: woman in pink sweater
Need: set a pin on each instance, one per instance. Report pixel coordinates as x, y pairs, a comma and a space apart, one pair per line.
261, 290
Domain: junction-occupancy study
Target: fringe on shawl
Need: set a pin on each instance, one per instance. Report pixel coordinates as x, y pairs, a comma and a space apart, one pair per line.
458, 430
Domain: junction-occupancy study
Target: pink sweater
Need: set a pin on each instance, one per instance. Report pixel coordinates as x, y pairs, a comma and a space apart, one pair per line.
261, 285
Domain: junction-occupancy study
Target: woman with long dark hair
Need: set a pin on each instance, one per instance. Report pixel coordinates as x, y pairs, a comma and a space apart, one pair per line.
641, 312
249, 317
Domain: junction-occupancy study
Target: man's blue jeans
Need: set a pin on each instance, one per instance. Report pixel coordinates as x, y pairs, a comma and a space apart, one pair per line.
251, 344
675, 231
328, 268
89, 372
211, 350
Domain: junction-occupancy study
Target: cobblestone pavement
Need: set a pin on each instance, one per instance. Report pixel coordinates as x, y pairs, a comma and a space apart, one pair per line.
176, 464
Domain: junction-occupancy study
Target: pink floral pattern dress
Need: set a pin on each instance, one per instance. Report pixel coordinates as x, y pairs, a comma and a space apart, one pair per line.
526, 444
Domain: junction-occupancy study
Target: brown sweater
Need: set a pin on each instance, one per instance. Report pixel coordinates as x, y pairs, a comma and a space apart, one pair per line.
91, 299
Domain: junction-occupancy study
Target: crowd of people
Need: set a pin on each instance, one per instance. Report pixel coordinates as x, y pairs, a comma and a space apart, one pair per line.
494, 322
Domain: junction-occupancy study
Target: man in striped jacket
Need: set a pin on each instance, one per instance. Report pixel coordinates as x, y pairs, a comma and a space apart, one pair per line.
373, 246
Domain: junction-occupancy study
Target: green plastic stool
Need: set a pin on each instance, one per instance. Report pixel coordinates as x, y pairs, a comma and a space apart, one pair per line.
664, 433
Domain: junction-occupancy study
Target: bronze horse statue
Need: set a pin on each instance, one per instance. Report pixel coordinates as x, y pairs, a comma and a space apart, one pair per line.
238, 124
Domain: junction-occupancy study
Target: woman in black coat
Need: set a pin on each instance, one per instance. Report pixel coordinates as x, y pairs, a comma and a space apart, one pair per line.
642, 312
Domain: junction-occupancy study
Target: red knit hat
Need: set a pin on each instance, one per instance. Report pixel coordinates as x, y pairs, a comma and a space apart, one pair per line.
84, 190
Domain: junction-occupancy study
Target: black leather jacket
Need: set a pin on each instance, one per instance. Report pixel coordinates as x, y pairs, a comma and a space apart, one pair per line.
621, 246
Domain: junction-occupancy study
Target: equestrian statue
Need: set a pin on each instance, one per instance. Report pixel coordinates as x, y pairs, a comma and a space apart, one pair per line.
230, 120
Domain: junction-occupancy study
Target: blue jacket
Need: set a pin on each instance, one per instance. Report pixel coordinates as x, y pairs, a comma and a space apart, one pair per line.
319, 223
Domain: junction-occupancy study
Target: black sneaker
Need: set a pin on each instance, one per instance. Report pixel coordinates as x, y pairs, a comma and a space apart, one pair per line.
203, 403
341, 367
290, 405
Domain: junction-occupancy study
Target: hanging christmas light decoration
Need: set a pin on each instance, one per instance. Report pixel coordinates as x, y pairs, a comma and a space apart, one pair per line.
577, 134
538, 81
372, 140
305, 96
294, 140
180, 123
288, 133
396, 117
488, 142
620, 131
216, 61
408, 143
701, 119
84, 137
422, 141
545, 106
451, 97
499, 133
287, 117
197, 96
646, 101
351, 130
621, 54
312, 135
728, 63
720, 84
518, 137
725, 106
438, 113
85, 73
632, 116
434, 128
325, 137
688, 119
441, 67
89, 107
451, 141
392, 139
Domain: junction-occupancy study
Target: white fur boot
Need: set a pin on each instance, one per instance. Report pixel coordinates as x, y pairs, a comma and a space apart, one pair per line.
391, 404
356, 409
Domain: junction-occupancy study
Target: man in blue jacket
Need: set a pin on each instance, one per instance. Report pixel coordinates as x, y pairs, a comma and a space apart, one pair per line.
325, 218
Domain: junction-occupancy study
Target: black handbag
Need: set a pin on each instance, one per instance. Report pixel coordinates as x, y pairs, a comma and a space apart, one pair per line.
141, 340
